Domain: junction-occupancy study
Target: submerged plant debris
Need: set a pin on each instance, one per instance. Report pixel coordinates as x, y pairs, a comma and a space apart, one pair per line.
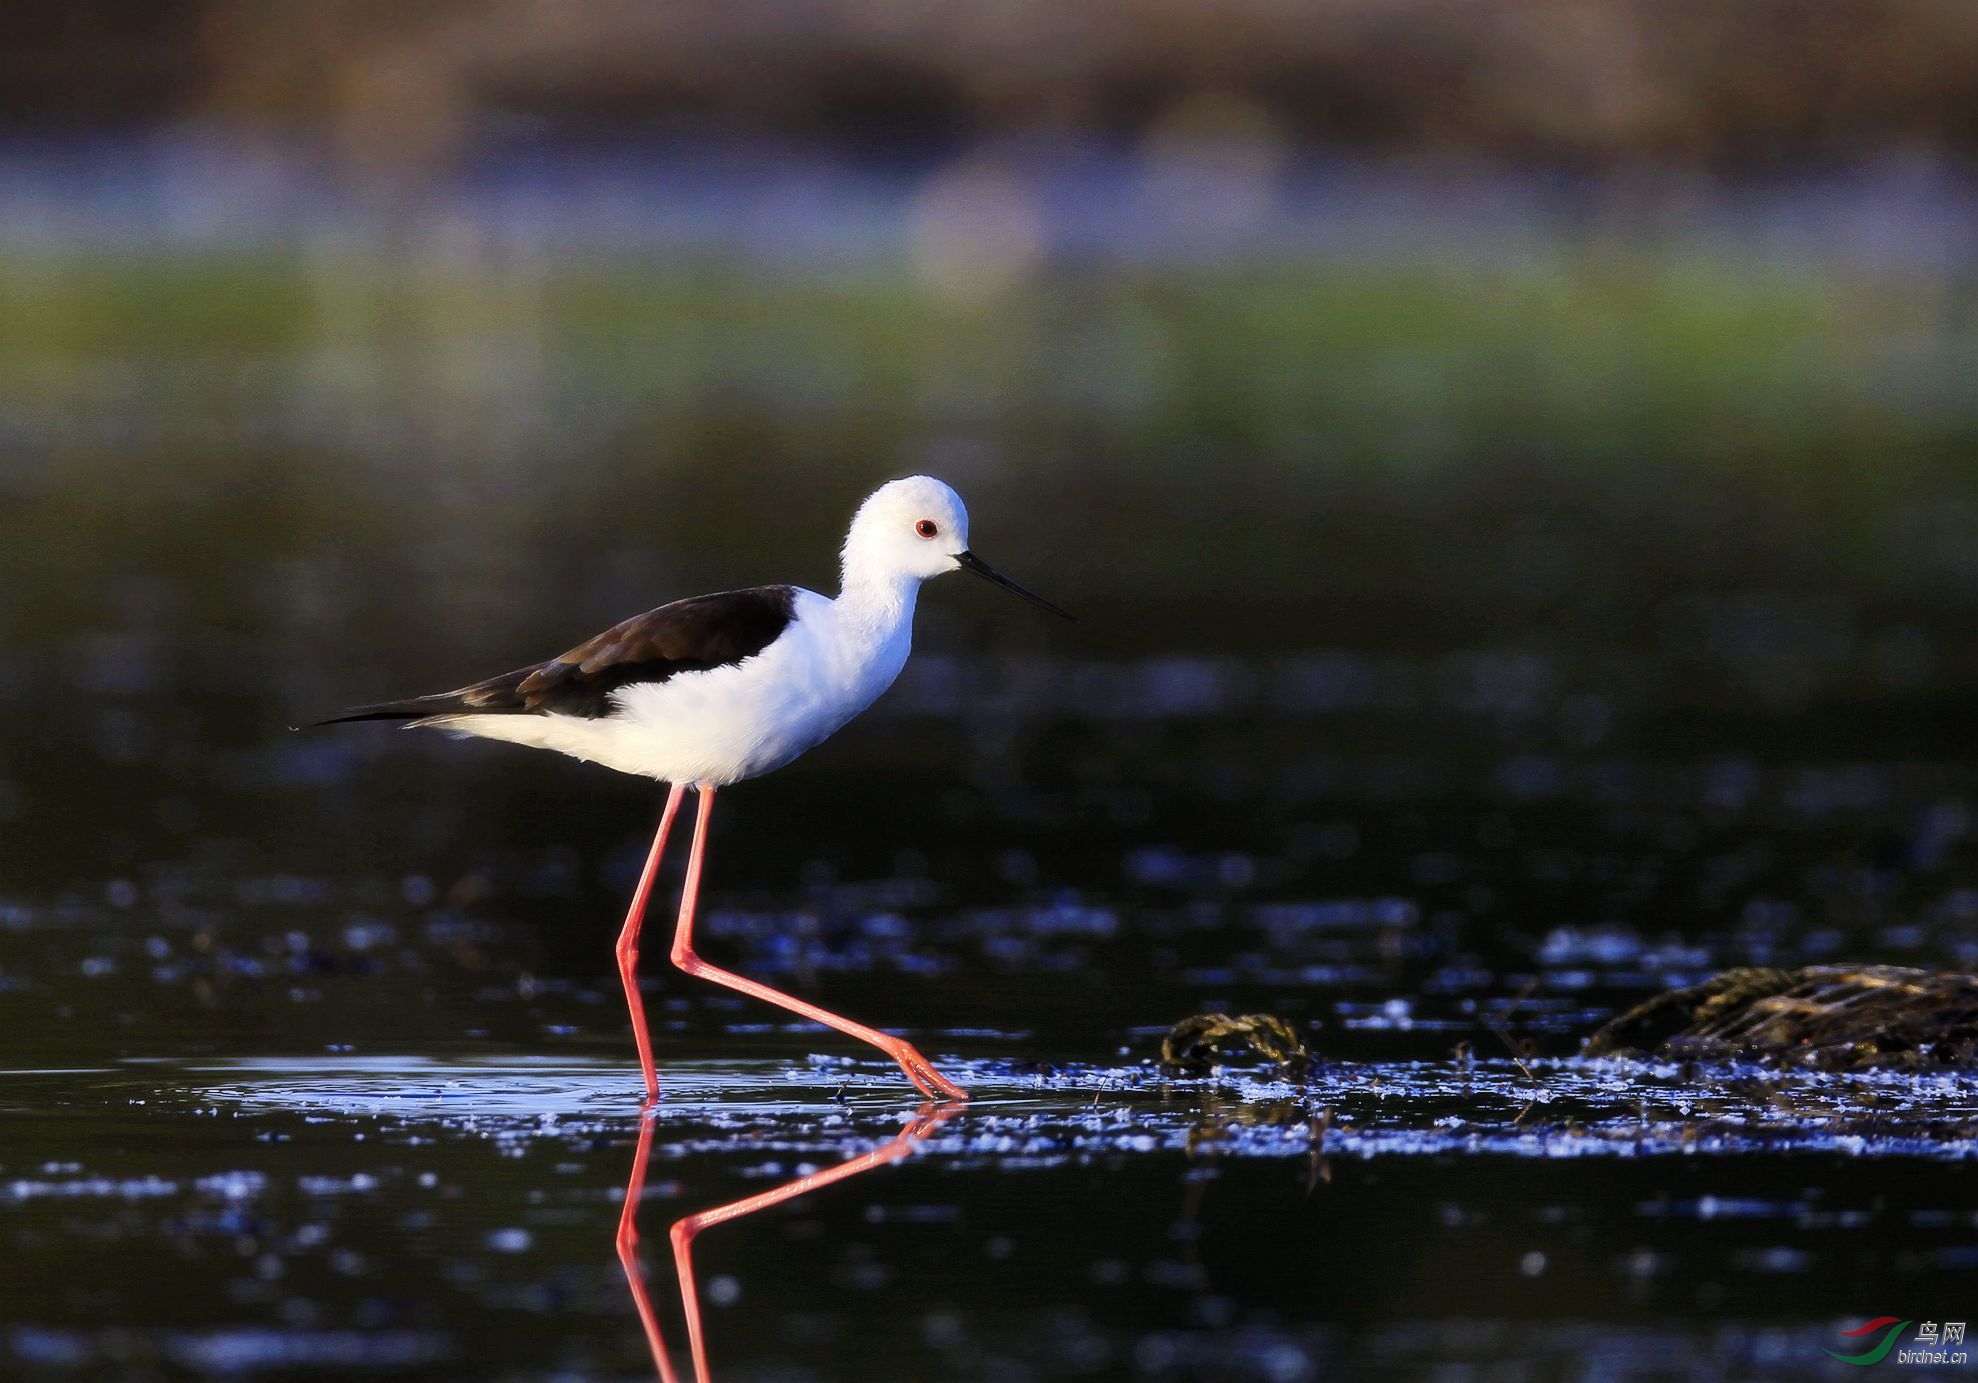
1197, 1042
1829, 1017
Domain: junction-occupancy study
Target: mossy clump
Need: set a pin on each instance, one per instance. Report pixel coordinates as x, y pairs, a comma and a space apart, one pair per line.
1828, 1017
1199, 1042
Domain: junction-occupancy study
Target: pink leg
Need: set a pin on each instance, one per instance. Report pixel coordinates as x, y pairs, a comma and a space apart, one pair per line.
930, 1081
628, 942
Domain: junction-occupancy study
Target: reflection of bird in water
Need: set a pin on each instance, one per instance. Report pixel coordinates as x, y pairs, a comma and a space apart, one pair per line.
718, 688
929, 1117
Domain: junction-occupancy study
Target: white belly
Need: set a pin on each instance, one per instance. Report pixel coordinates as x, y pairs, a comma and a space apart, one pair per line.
728, 723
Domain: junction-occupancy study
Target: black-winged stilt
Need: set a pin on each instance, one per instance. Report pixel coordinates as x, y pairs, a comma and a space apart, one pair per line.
718, 688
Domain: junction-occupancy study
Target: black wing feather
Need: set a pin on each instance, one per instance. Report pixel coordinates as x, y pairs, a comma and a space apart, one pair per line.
692, 635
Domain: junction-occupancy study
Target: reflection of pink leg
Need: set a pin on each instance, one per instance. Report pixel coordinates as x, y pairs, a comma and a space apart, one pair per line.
628, 1251
628, 942
929, 1117
930, 1081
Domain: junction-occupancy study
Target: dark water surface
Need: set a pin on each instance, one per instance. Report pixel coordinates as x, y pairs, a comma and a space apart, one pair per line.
340, 1086
457, 1217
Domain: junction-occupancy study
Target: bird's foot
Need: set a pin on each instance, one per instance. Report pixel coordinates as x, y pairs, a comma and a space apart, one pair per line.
926, 1079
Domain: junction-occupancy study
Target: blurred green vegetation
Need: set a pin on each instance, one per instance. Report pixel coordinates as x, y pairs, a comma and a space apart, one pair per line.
1598, 355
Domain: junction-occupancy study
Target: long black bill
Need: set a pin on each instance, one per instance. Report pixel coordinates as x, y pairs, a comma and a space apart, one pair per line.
970, 562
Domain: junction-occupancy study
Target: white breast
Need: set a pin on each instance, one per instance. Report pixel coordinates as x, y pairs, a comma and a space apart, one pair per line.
729, 723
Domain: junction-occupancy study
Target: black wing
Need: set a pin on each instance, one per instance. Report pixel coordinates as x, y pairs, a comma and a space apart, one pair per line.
705, 631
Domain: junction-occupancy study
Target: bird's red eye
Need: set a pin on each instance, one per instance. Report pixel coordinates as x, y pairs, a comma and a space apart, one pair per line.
927, 528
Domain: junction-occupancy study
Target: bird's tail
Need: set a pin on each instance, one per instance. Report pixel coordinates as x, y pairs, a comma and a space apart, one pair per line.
496, 696
418, 708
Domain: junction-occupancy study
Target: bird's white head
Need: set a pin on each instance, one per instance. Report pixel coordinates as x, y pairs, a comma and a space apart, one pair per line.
916, 527
908, 530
